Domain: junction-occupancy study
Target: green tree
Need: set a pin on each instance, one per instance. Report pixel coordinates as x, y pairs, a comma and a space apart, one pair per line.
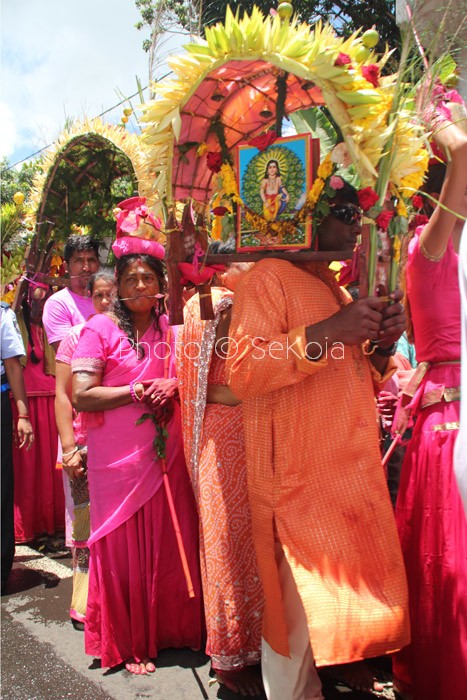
13, 180
162, 18
345, 15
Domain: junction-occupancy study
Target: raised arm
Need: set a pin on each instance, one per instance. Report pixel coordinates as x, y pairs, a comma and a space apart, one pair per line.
435, 236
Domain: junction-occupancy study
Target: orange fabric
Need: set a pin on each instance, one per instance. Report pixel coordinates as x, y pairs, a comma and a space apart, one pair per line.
232, 590
314, 468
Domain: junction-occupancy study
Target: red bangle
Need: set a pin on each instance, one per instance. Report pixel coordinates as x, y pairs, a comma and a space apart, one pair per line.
26, 417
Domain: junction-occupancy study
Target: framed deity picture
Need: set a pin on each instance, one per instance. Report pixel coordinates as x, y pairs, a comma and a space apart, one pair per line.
273, 185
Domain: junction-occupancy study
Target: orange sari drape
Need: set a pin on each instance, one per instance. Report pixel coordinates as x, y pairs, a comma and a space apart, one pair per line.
215, 455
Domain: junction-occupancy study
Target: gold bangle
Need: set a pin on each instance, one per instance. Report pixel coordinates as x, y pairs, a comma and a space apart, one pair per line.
139, 397
367, 344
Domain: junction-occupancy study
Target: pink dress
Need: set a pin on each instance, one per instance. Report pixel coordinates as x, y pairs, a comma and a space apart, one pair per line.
39, 501
430, 519
138, 601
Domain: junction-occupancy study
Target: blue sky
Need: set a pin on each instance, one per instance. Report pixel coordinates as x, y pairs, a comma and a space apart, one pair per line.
66, 59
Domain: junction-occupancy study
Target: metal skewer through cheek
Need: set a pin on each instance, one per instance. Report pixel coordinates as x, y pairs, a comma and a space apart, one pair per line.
143, 296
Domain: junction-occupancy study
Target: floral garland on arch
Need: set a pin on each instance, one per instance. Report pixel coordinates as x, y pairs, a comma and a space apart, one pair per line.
382, 136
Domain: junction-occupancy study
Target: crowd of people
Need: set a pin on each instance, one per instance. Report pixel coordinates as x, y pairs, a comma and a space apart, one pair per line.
223, 480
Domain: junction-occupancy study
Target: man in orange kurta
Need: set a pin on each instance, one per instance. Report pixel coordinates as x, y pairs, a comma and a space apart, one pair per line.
322, 519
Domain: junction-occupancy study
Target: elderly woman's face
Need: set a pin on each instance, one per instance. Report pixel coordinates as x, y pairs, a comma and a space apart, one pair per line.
102, 294
139, 287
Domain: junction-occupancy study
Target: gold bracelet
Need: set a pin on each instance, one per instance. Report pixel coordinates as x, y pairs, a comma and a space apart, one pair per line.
367, 344
139, 397
429, 256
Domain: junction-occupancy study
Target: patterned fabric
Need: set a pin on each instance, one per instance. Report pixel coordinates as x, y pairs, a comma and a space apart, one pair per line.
430, 517
214, 447
314, 468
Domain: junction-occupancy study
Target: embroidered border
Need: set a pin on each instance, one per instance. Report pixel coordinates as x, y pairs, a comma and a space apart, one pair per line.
454, 425
207, 345
87, 364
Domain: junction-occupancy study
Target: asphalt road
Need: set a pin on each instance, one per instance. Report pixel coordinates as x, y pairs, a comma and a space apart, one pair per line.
43, 656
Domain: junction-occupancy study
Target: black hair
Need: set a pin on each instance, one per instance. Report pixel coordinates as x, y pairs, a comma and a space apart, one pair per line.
122, 313
105, 273
77, 243
432, 186
347, 194
273, 160
27, 322
222, 247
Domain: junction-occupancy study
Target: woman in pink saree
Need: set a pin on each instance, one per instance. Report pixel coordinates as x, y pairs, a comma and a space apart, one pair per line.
138, 599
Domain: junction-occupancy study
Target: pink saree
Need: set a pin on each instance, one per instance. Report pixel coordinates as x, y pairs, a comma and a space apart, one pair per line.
138, 601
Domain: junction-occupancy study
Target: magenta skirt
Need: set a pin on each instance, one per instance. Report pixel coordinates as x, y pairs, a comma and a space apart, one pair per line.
138, 601
39, 500
433, 531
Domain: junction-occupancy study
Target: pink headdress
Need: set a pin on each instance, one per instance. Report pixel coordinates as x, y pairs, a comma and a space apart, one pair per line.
137, 229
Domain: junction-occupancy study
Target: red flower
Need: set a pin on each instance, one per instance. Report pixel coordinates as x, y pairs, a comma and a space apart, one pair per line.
383, 219
219, 211
417, 201
263, 140
214, 161
367, 198
418, 220
371, 74
343, 59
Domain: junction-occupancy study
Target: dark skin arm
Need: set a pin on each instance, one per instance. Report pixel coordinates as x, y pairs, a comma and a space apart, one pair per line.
73, 464
365, 319
218, 393
14, 373
88, 394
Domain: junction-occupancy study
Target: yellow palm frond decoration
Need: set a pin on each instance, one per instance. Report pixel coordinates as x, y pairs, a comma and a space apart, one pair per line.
253, 42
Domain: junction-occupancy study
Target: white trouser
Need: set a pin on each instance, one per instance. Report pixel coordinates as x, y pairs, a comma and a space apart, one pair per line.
291, 677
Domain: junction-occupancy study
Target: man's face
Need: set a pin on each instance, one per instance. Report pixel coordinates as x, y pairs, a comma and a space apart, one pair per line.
339, 230
83, 264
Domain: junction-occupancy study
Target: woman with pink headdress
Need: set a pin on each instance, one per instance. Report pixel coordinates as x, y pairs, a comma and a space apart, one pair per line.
123, 376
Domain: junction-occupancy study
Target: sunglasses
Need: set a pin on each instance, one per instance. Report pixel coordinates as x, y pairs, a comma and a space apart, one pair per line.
347, 213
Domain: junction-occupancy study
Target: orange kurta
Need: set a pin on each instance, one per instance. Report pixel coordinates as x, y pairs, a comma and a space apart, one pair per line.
314, 468
215, 455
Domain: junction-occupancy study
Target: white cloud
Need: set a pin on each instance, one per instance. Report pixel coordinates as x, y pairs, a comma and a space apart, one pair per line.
65, 59
8, 134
